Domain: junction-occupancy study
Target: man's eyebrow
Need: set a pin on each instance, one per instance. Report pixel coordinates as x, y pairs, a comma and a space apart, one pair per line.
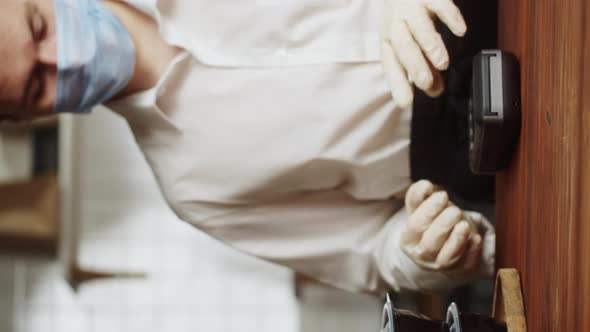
28, 14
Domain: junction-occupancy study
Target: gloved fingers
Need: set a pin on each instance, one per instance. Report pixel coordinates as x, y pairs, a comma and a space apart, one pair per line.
430, 41
479, 222
424, 215
455, 246
398, 80
435, 237
417, 193
438, 85
449, 14
410, 55
472, 256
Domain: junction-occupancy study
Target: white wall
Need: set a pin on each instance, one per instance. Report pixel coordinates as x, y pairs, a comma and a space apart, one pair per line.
329, 310
193, 284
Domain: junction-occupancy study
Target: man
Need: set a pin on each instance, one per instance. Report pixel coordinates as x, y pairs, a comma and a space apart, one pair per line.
268, 124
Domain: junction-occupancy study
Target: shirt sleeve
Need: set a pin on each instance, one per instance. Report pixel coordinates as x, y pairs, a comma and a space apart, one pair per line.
333, 238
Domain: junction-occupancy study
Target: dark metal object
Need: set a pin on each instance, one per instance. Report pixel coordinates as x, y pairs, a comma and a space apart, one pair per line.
494, 116
467, 322
395, 320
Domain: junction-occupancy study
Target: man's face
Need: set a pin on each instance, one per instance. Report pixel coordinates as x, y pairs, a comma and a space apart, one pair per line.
28, 58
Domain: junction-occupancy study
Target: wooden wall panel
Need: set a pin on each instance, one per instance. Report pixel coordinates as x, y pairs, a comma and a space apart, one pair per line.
584, 246
543, 216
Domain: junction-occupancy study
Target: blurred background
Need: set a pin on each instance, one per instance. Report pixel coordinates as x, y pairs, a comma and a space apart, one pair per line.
87, 243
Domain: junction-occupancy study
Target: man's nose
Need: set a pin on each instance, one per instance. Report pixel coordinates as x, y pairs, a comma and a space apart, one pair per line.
48, 52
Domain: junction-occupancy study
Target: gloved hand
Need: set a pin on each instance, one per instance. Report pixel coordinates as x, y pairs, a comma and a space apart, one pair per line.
412, 50
439, 236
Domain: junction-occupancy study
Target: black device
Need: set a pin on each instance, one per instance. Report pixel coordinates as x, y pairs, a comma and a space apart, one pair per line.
396, 320
458, 321
494, 114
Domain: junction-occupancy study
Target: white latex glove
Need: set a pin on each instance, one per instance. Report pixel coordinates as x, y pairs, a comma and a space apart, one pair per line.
412, 50
439, 236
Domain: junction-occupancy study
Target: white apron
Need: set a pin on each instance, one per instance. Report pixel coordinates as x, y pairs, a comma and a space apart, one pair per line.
276, 133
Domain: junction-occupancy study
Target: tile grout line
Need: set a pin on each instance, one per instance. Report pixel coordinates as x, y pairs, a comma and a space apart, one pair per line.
19, 294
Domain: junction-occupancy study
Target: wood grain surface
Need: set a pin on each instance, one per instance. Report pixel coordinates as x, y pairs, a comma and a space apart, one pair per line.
543, 208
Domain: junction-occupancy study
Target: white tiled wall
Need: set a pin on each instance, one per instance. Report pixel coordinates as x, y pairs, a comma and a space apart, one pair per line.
193, 284
6, 294
16, 157
330, 310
